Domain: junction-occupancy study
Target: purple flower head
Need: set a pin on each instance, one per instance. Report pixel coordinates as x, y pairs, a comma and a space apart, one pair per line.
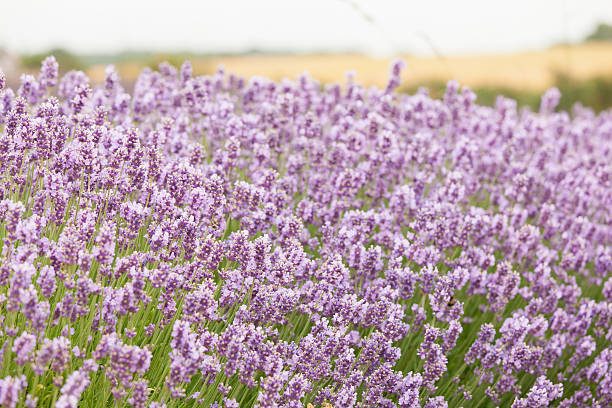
23, 347
47, 78
550, 100
436, 402
72, 389
29, 89
10, 388
541, 394
47, 281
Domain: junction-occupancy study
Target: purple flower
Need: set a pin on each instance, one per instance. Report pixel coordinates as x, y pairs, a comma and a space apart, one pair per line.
48, 73
541, 394
10, 388
74, 386
23, 347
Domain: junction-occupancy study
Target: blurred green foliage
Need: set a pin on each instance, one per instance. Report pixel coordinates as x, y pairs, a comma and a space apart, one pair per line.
603, 32
67, 60
595, 93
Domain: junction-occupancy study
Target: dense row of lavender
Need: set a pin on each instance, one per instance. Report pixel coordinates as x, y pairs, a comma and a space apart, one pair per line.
209, 241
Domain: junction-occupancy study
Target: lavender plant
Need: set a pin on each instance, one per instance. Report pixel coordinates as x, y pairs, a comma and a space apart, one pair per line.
212, 241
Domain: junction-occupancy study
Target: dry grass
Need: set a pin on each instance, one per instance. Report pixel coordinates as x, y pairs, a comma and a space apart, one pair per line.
529, 70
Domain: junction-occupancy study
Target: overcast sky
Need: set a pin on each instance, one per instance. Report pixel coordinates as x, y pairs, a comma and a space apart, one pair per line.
418, 27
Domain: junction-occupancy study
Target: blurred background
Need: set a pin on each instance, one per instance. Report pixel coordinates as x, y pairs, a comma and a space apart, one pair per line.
517, 48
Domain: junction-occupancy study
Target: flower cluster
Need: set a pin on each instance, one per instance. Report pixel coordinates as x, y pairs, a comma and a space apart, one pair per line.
224, 242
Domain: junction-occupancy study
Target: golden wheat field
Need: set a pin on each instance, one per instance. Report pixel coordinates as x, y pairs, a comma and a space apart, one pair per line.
527, 70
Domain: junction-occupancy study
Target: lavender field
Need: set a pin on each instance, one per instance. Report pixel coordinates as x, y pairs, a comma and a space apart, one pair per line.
220, 241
